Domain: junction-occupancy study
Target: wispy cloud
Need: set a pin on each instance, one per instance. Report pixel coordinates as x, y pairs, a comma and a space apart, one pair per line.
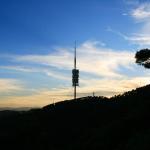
142, 12
131, 2
10, 85
103, 87
19, 68
139, 38
109, 29
107, 61
46, 71
38, 99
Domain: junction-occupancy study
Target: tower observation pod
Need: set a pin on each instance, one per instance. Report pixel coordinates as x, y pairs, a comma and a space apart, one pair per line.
75, 74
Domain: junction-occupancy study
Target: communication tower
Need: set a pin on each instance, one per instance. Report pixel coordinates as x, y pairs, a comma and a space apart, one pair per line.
75, 74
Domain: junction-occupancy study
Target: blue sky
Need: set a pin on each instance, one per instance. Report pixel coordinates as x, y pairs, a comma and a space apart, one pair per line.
31, 25
36, 48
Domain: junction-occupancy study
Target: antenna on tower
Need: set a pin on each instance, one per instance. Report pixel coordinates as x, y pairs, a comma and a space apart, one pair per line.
75, 74
75, 55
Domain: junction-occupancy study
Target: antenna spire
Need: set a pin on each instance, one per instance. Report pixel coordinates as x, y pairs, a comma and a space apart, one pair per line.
75, 55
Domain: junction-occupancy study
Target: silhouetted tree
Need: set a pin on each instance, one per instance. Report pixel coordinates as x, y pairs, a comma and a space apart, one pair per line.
143, 57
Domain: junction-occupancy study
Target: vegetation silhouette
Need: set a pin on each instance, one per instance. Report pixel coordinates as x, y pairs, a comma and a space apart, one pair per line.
143, 57
117, 123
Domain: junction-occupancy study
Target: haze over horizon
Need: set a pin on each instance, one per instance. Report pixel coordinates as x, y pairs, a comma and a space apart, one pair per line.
37, 43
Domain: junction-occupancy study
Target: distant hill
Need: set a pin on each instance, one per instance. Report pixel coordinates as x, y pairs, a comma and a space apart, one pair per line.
88, 123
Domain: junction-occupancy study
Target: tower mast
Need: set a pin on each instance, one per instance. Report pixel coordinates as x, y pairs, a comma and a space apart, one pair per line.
75, 56
75, 74
75, 89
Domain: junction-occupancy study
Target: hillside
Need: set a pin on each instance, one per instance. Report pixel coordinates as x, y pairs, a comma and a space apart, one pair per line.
88, 123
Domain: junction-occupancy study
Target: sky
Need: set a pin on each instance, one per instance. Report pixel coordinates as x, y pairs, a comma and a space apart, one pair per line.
37, 44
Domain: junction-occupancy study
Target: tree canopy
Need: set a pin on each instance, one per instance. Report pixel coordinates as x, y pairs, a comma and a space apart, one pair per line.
143, 57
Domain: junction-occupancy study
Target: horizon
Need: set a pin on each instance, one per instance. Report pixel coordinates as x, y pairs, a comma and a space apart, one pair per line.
37, 49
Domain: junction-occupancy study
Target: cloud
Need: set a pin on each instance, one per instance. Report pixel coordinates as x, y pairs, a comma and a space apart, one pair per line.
10, 85
142, 12
46, 71
124, 14
90, 54
132, 2
93, 60
103, 87
60, 59
140, 39
19, 68
39, 99
109, 29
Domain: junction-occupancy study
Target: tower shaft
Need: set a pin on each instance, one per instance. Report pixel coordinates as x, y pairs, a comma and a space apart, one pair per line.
75, 74
75, 89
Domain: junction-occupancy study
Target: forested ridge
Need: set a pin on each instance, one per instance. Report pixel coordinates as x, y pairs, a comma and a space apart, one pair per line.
121, 122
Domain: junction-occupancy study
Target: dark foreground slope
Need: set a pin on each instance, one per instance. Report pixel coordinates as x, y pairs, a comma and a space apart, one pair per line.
90, 123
